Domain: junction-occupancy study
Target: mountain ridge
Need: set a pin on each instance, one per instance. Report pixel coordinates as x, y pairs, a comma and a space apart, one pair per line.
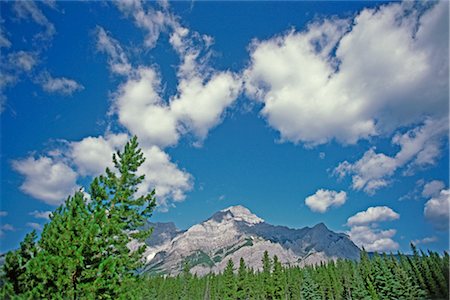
236, 232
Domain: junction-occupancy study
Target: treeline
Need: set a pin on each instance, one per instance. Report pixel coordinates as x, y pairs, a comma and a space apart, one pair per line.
418, 276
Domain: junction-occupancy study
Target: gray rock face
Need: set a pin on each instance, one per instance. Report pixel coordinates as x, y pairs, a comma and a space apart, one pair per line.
235, 232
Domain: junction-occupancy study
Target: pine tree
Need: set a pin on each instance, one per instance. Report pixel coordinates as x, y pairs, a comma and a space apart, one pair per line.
266, 275
16, 277
433, 262
242, 281
358, 286
229, 282
278, 279
309, 288
83, 250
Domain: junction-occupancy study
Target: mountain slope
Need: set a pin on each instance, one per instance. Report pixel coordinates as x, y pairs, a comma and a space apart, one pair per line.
235, 232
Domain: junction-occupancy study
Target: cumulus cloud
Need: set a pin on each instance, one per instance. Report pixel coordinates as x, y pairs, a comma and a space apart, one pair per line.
41, 214
46, 179
92, 155
61, 85
53, 178
436, 210
141, 110
432, 188
369, 172
353, 79
202, 96
419, 147
199, 105
165, 177
373, 239
364, 232
373, 215
324, 199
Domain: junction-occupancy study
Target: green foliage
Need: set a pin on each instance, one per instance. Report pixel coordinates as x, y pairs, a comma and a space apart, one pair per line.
229, 285
83, 251
379, 277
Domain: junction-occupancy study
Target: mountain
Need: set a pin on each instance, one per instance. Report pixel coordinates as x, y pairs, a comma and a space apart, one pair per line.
235, 232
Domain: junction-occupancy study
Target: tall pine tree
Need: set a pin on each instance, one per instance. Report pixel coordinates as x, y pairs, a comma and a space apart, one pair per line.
83, 251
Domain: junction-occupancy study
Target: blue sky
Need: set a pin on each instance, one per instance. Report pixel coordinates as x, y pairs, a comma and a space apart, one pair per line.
304, 112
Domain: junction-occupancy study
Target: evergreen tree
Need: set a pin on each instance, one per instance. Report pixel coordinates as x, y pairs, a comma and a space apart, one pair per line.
16, 277
229, 281
266, 275
365, 268
242, 281
358, 286
186, 279
309, 288
83, 251
278, 279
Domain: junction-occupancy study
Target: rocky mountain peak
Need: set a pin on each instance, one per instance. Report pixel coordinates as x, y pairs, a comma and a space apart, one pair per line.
321, 227
236, 232
240, 213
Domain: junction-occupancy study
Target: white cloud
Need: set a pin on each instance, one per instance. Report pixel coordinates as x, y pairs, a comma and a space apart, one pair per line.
35, 226
364, 232
419, 148
432, 188
41, 214
151, 20
426, 240
3, 213
164, 176
117, 59
199, 105
62, 85
373, 239
142, 111
202, 94
323, 199
46, 179
92, 155
436, 210
373, 215
349, 82
369, 172
12, 68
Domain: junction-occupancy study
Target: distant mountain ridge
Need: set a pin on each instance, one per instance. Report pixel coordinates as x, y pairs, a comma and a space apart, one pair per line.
235, 232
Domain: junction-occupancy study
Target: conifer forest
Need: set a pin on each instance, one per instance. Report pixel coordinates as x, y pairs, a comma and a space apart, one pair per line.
419, 276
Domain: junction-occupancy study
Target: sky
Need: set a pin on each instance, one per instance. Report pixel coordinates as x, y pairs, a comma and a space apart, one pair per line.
303, 112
